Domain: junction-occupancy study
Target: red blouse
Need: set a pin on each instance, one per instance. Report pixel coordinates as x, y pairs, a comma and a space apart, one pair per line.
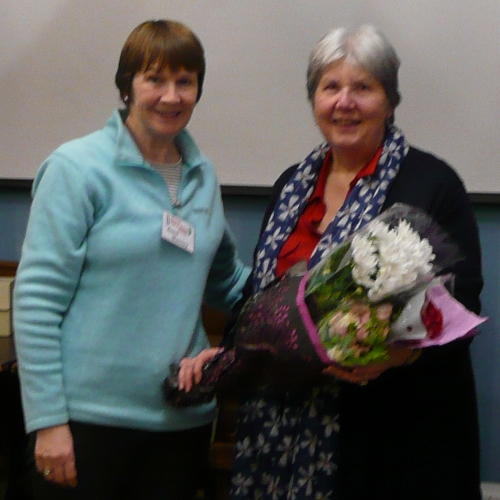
303, 239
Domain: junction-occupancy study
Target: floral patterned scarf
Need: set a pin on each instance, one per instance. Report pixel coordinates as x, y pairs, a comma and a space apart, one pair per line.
362, 203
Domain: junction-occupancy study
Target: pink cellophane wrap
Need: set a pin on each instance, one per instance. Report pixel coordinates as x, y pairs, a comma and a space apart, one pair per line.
308, 321
458, 321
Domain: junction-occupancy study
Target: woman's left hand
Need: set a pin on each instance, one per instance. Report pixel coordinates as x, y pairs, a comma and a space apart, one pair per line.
363, 374
192, 368
54, 455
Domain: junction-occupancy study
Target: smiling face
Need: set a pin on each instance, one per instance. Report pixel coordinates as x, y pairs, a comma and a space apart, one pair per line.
351, 109
161, 103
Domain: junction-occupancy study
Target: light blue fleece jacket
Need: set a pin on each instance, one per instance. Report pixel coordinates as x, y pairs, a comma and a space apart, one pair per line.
102, 303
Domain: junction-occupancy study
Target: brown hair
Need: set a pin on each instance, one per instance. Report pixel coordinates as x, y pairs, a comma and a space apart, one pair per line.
160, 42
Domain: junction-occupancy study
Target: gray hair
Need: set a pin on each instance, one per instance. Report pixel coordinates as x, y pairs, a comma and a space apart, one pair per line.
366, 47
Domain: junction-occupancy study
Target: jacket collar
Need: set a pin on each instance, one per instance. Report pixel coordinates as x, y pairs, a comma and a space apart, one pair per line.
127, 153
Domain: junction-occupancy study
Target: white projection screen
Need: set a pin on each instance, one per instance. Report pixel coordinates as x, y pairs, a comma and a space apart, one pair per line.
58, 59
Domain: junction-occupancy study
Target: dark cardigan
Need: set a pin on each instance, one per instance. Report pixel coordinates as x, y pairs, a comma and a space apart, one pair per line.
412, 434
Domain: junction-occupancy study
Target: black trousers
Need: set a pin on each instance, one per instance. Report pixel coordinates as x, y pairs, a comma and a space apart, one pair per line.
128, 464
13, 438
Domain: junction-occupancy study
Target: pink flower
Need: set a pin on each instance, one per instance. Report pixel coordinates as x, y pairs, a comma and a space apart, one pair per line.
361, 311
339, 323
384, 311
361, 333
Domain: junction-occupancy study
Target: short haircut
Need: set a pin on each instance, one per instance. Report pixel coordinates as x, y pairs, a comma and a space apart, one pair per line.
159, 43
366, 47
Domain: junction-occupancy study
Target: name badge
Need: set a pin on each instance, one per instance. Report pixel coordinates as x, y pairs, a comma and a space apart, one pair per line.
178, 232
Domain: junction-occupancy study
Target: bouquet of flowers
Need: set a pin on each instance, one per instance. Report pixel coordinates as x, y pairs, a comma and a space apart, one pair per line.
380, 286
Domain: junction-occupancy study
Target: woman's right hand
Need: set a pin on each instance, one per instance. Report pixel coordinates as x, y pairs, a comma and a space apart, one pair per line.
54, 455
192, 368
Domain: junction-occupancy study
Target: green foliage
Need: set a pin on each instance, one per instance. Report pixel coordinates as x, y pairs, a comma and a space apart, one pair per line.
326, 272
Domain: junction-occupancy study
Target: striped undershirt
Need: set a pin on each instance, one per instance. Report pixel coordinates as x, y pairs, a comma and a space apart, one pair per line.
171, 173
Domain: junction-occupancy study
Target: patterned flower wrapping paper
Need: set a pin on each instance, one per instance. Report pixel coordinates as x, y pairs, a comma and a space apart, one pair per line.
271, 324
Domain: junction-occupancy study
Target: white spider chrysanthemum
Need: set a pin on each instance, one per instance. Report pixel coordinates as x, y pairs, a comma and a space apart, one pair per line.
365, 256
385, 260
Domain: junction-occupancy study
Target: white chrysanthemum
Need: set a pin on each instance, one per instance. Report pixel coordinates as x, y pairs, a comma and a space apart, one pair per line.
389, 259
378, 230
336, 354
364, 254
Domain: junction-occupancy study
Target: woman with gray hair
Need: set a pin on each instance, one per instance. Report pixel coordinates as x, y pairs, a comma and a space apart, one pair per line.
404, 429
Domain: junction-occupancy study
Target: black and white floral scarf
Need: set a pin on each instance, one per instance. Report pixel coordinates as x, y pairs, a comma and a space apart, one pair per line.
362, 204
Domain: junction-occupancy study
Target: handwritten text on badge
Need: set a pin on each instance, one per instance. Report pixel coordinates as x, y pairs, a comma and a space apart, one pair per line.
178, 232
